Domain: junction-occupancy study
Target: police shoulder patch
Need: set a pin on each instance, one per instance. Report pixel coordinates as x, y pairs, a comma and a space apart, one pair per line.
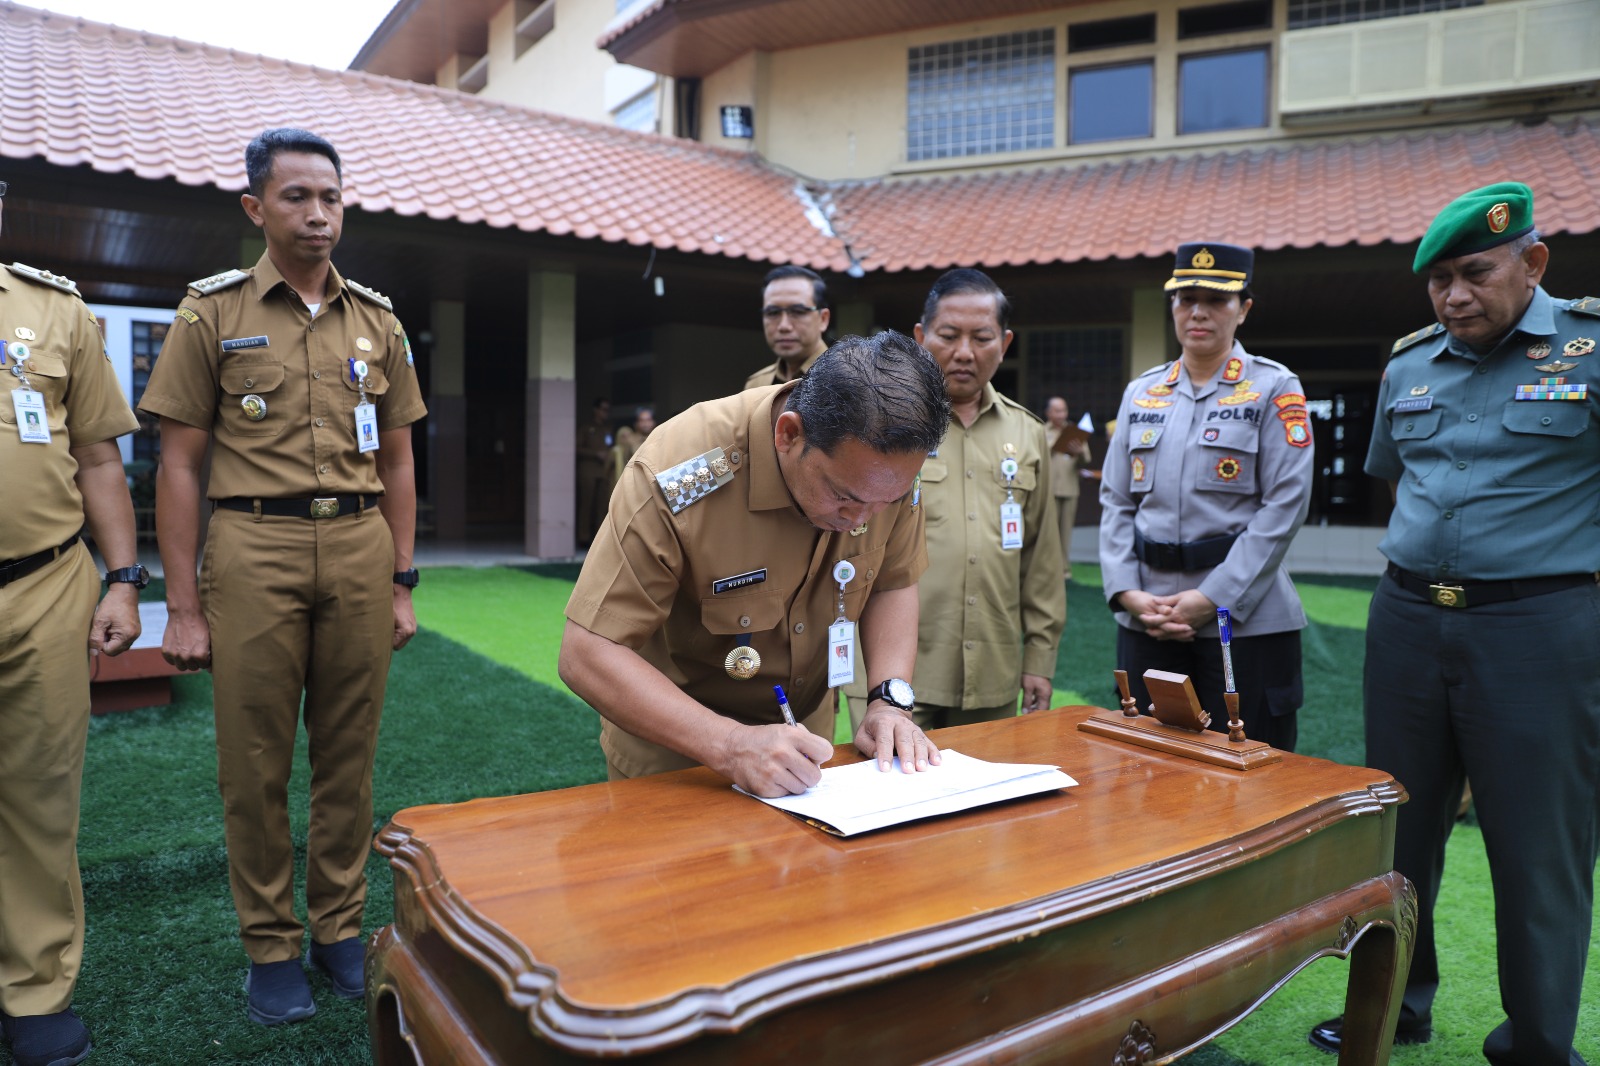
1587, 305
44, 277
1414, 338
217, 282
188, 315
370, 294
694, 479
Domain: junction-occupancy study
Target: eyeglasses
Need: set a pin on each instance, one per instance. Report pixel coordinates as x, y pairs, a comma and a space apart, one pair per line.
772, 314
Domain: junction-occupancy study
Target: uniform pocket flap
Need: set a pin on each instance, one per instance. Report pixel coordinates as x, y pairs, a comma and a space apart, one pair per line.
1552, 418
45, 365
751, 612
1414, 426
935, 470
238, 380
376, 385
1235, 438
1144, 437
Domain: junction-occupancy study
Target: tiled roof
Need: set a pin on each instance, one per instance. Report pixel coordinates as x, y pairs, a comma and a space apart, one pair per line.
81, 93
1295, 196
76, 92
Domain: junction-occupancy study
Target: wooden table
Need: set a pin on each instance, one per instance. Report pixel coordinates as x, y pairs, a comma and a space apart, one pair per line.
1127, 920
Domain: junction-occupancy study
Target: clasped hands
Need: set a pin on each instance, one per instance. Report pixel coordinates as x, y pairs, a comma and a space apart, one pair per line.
1174, 617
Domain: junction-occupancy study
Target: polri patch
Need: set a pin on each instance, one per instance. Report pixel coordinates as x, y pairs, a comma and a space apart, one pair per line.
738, 581
236, 344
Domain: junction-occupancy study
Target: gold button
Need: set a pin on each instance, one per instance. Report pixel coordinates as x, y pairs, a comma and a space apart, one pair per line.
799, 627
319, 422
744, 620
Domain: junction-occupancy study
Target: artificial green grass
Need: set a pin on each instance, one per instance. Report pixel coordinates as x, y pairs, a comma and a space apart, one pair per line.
482, 714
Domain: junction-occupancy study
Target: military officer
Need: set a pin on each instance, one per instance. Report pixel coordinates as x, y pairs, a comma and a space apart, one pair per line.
1204, 486
794, 316
1481, 637
60, 469
1064, 477
301, 383
751, 542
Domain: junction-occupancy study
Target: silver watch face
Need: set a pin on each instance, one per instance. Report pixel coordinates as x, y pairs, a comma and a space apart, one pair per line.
900, 693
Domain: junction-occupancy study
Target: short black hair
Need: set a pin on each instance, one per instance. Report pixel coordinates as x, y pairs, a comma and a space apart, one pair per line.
960, 280
819, 288
598, 400
884, 391
259, 153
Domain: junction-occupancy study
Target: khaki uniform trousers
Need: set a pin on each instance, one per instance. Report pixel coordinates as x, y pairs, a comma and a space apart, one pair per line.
44, 722
297, 604
1067, 515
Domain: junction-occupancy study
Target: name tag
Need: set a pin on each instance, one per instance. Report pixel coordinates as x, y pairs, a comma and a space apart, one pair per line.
1412, 404
367, 427
1010, 526
33, 426
738, 581
841, 654
239, 343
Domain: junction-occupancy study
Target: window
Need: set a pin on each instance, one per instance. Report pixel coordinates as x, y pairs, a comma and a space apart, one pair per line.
1111, 33
1082, 365
1222, 91
1110, 103
1304, 14
989, 94
639, 113
1224, 18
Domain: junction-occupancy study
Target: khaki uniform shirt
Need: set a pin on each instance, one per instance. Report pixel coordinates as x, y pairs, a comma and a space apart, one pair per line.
83, 403
593, 447
650, 581
1064, 468
988, 615
299, 367
768, 375
1190, 462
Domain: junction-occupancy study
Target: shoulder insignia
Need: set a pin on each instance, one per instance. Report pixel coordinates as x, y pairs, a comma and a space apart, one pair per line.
44, 277
188, 315
1588, 305
695, 479
1015, 406
1160, 368
217, 282
1413, 338
371, 294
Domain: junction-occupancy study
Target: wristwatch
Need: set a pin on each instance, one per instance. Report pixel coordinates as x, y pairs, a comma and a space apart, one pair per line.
135, 575
896, 693
407, 578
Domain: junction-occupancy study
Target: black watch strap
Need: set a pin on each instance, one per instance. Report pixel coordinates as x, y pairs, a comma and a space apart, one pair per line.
881, 692
135, 575
408, 578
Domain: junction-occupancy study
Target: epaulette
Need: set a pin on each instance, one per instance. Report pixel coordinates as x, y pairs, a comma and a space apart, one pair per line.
1588, 305
217, 282
694, 479
44, 277
372, 294
1159, 368
1014, 405
1414, 338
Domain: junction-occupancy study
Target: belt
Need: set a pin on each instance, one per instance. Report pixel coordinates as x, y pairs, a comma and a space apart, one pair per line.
17, 569
1481, 593
1191, 555
301, 507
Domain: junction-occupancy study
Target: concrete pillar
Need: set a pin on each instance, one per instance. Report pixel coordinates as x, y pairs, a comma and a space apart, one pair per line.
1150, 332
550, 473
447, 419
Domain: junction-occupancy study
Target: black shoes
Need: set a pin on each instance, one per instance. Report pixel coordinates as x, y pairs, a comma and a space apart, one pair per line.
345, 963
1329, 1036
278, 992
59, 1039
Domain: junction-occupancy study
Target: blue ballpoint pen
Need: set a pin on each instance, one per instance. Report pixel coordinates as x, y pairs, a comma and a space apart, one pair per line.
1230, 695
783, 705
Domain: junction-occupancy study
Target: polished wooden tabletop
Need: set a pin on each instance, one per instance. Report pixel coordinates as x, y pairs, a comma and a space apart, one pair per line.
640, 892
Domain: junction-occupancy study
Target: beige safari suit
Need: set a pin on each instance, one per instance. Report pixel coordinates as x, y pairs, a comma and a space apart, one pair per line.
768, 375
294, 604
1064, 486
648, 581
593, 448
44, 638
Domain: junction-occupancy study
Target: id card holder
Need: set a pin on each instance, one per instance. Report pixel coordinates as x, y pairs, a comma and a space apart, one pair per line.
841, 654
366, 427
33, 425
1010, 526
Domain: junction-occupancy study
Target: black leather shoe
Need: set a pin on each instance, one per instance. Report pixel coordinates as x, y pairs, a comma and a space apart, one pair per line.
345, 963
1329, 1036
278, 992
58, 1039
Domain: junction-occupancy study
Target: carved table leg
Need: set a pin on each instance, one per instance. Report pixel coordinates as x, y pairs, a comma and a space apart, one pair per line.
1379, 962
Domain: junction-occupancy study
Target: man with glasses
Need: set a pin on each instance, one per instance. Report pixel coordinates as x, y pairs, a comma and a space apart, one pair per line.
794, 314
59, 470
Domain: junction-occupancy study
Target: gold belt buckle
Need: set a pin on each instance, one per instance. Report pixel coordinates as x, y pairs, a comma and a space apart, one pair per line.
1447, 595
325, 507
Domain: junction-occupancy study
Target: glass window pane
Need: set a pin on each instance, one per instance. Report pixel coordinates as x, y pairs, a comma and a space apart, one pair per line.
1110, 103
990, 94
1224, 91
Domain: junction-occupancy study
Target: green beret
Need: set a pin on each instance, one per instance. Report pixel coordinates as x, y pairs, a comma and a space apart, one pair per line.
1482, 219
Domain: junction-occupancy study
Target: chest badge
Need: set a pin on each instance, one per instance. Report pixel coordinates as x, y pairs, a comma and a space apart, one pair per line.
1579, 346
1138, 468
1241, 394
363, 344
743, 663
1556, 367
1209, 435
1419, 390
254, 407
1152, 404
1228, 468
25, 334
1234, 370
1159, 390
1538, 351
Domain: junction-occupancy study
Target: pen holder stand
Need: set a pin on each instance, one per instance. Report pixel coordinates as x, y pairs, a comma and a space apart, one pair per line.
1178, 726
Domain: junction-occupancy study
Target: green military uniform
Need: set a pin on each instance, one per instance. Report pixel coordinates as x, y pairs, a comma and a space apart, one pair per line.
296, 604
684, 579
47, 599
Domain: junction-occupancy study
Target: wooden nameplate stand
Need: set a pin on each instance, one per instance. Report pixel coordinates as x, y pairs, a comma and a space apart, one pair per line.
1179, 725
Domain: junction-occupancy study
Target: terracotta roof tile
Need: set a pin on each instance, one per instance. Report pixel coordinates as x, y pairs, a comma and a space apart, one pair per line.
418, 150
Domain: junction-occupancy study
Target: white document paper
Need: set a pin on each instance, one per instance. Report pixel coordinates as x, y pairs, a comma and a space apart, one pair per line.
860, 797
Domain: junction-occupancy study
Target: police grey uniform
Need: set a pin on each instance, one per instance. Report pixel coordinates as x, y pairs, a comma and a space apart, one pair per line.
1497, 459
1204, 487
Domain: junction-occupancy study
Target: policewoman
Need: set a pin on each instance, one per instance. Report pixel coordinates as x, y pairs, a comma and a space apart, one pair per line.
1204, 485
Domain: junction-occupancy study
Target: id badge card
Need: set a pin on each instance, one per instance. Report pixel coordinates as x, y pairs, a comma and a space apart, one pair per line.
1010, 526
366, 427
33, 425
841, 654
